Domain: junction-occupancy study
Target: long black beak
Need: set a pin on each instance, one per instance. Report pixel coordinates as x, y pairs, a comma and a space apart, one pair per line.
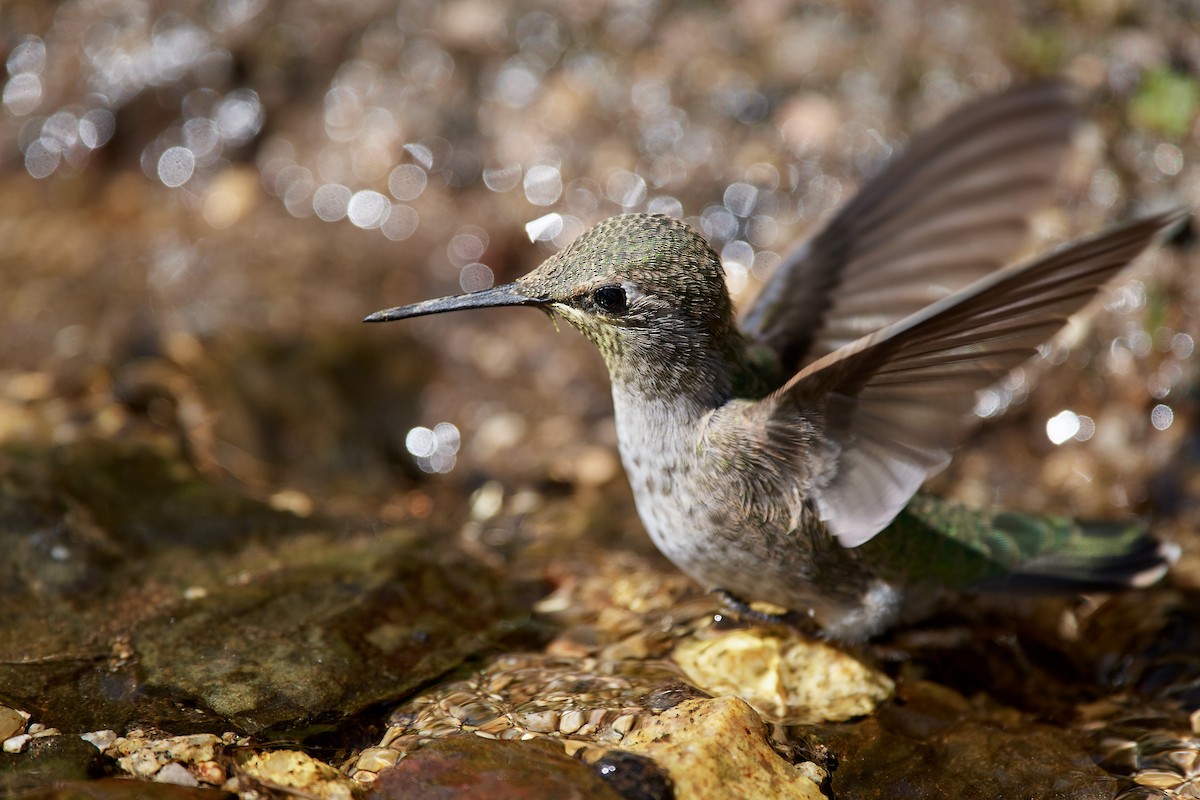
509, 294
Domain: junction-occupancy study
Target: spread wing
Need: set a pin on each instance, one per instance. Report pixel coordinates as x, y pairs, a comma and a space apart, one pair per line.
898, 400
952, 209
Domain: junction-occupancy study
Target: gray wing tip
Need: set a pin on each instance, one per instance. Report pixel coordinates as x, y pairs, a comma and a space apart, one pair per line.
1173, 220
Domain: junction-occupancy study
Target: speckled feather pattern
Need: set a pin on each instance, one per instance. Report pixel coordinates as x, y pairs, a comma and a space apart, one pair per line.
685, 321
707, 462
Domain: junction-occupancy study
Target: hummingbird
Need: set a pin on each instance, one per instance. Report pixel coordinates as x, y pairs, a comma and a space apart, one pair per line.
779, 458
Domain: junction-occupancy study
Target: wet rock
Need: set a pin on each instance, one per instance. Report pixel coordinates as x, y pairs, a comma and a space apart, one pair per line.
96, 537
292, 772
932, 742
471, 768
101, 740
12, 722
358, 402
578, 702
719, 748
621, 605
126, 496
120, 789
47, 760
634, 777
205, 609
1149, 643
181, 760
1158, 764
785, 677
324, 640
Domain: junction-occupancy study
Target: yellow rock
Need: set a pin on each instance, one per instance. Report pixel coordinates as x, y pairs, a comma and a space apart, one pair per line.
718, 748
291, 769
793, 680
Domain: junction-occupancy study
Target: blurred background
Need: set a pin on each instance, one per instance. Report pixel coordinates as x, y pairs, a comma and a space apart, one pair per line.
201, 200
215, 481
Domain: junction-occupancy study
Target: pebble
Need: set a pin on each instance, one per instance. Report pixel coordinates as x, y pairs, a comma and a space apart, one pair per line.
176, 774
570, 722
12, 722
374, 759
15, 744
210, 772
101, 740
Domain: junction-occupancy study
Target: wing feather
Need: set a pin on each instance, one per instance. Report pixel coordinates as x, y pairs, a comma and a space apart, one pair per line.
953, 208
898, 400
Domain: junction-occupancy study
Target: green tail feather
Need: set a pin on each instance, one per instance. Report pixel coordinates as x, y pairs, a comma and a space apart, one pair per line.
968, 549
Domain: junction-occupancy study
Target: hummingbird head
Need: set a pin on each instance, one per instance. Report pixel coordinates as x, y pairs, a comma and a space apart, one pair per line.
645, 288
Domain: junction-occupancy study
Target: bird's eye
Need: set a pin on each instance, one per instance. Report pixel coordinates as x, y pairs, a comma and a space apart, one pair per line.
611, 299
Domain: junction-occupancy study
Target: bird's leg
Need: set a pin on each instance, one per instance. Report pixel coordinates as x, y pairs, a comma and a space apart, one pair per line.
747, 612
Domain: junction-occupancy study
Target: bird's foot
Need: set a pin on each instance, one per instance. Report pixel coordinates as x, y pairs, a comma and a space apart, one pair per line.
747, 611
